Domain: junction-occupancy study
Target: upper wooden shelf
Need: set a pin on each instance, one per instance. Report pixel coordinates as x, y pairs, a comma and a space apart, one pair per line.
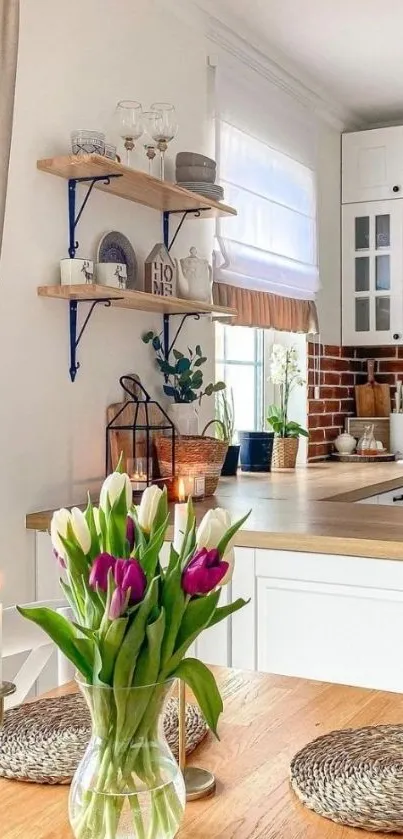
134, 300
133, 185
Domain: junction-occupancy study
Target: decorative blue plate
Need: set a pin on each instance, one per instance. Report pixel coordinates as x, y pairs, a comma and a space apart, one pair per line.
115, 247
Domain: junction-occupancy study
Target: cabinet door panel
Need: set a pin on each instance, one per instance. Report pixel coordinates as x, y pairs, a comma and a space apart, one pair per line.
372, 282
372, 164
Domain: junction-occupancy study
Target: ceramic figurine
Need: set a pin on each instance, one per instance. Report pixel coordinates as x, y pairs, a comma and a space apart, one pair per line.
195, 278
160, 272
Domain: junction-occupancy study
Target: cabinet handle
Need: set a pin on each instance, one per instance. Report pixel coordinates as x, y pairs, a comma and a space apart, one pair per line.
398, 498
396, 336
396, 189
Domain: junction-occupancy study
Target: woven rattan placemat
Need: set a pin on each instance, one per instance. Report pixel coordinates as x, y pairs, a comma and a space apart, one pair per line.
44, 741
354, 777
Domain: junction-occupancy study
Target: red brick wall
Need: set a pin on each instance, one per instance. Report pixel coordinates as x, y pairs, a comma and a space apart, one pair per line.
341, 369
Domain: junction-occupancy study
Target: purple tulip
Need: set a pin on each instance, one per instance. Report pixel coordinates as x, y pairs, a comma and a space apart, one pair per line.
130, 532
100, 570
204, 572
62, 562
129, 577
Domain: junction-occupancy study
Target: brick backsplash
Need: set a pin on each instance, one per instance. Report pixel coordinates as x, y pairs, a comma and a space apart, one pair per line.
341, 369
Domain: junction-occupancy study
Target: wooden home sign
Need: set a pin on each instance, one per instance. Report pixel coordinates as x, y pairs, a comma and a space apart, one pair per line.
160, 272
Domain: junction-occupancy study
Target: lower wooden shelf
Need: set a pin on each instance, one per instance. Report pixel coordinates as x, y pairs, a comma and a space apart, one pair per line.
140, 300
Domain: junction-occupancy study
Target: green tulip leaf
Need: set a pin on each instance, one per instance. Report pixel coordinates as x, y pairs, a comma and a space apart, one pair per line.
203, 684
109, 647
80, 651
223, 612
127, 656
198, 615
174, 603
221, 547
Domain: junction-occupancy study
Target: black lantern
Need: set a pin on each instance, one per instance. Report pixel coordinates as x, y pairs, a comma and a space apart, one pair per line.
130, 435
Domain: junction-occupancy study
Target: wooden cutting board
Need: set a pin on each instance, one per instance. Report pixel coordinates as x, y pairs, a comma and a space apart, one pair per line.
372, 399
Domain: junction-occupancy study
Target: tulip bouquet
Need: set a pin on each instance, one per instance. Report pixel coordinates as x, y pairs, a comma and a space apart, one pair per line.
135, 619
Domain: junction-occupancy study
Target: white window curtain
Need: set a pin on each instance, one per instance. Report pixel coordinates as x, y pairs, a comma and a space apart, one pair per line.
270, 247
9, 24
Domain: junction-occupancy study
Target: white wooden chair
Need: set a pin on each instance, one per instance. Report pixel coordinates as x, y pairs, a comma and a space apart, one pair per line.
23, 636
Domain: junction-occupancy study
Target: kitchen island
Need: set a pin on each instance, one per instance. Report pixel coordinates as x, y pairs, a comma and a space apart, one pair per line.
322, 570
266, 720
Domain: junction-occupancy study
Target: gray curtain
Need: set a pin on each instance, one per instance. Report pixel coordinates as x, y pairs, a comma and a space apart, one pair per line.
9, 24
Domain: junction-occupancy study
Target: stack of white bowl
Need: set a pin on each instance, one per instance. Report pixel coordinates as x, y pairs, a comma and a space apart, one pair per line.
198, 174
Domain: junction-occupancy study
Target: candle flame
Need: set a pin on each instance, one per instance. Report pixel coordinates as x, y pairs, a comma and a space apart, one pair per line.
181, 490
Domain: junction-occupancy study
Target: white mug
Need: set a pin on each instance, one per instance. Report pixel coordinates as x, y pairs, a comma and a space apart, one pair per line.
76, 271
112, 273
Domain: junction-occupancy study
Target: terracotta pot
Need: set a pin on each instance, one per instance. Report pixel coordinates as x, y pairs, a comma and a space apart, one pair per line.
285, 450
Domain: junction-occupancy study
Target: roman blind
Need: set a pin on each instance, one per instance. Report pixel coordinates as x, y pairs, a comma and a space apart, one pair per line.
265, 261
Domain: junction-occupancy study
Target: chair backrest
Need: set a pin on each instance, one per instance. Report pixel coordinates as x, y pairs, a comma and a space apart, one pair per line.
23, 636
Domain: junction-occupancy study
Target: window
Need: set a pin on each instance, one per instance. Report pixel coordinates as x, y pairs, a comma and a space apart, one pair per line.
240, 364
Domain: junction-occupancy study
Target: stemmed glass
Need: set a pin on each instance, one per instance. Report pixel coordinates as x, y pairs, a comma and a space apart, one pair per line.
165, 130
152, 122
130, 123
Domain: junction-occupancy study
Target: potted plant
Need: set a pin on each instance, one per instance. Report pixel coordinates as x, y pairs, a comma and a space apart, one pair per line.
286, 374
183, 382
226, 431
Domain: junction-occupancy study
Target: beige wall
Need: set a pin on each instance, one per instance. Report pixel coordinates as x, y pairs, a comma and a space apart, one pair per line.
76, 61
329, 236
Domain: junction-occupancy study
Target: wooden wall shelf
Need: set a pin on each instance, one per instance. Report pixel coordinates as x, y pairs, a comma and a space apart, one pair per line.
133, 185
134, 300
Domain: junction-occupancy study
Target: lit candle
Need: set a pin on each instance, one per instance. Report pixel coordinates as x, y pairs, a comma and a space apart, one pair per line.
181, 514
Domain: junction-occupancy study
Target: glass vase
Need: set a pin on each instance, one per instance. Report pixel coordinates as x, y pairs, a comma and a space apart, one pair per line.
128, 784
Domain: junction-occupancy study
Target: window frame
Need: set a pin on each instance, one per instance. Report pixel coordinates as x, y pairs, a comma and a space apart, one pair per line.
257, 365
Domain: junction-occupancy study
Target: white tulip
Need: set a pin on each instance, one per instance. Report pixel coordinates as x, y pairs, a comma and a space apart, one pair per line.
112, 488
95, 511
81, 530
212, 528
58, 527
147, 509
61, 519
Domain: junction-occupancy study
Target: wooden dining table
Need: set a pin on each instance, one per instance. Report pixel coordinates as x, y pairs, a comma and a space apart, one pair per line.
266, 720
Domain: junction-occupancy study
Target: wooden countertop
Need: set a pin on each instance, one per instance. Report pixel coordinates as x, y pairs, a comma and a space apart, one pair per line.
266, 720
310, 509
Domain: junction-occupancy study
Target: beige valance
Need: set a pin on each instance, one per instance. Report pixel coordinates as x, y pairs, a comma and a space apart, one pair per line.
268, 311
9, 23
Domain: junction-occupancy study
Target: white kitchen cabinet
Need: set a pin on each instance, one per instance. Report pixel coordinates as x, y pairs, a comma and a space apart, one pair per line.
393, 498
374, 499
332, 618
372, 165
372, 286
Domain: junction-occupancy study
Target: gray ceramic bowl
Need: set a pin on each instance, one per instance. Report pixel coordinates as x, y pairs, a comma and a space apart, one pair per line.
190, 158
195, 173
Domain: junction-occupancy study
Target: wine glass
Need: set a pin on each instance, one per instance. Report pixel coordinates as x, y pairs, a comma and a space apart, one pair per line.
165, 129
152, 122
130, 124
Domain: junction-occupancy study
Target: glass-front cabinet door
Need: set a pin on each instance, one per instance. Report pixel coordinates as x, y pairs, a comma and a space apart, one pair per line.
372, 308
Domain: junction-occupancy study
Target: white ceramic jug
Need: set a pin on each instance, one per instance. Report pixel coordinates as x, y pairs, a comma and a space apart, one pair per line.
195, 277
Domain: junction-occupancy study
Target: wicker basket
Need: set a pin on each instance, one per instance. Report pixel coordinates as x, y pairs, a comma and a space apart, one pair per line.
285, 450
197, 455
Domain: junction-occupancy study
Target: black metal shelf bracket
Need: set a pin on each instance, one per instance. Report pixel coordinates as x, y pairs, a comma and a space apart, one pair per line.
169, 344
76, 338
196, 213
73, 218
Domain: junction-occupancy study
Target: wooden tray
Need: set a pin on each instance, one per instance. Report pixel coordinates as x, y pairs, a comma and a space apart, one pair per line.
383, 457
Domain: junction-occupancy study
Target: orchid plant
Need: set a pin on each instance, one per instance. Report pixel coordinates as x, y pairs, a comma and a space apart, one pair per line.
286, 374
135, 619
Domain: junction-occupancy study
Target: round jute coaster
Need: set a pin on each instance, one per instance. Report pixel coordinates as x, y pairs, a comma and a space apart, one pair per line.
43, 742
354, 777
